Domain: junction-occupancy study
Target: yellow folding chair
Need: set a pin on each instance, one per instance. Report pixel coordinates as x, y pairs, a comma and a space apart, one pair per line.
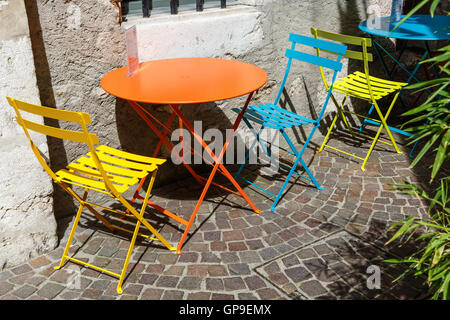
106, 170
362, 86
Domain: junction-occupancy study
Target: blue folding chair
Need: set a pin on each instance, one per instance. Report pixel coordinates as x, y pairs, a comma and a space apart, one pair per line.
272, 116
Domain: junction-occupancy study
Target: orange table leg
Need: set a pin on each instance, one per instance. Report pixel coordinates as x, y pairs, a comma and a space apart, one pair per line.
162, 138
221, 167
218, 164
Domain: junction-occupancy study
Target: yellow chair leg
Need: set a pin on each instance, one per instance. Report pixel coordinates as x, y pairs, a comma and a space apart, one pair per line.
372, 146
145, 223
383, 121
136, 231
344, 118
328, 133
383, 124
72, 232
340, 110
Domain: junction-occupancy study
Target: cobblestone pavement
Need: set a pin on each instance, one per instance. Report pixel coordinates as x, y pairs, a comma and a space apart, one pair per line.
317, 245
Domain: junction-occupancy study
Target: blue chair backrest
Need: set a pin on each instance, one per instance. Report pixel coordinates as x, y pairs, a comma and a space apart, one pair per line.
292, 53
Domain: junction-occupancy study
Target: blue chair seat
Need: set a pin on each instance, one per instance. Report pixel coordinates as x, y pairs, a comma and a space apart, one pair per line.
275, 117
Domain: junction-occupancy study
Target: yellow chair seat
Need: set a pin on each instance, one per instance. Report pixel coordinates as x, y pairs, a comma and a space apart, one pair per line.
355, 85
124, 169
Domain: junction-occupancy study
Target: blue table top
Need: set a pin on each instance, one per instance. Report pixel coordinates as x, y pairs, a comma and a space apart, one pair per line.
417, 27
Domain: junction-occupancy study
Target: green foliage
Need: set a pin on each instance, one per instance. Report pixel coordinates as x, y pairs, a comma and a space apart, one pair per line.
430, 124
435, 110
432, 261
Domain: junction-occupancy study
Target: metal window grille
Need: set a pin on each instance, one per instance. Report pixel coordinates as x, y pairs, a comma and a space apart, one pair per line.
149, 5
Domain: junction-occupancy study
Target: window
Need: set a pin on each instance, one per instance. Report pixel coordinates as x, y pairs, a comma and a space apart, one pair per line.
139, 7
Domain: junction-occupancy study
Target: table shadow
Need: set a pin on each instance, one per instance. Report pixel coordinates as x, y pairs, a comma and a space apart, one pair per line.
137, 137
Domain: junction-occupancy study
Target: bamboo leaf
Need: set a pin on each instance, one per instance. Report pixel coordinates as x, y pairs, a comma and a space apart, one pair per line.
437, 255
434, 243
413, 227
435, 93
445, 286
441, 271
440, 154
402, 229
405, 260
435, 200
426, 235
424, 149
426, 83
433, 6
439, 58
434, 225
410, 267
394, 225
419, 109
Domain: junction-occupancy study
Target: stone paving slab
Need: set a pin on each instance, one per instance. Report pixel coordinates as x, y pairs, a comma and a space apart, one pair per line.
317, 245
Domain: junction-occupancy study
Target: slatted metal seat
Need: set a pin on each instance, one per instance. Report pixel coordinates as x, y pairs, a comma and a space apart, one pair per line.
269, 115
356, 85
123, 169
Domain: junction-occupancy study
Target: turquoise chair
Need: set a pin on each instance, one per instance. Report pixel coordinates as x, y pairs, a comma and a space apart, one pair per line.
271, 115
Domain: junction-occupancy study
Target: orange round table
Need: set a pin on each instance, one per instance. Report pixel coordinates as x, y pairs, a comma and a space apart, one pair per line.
187, 81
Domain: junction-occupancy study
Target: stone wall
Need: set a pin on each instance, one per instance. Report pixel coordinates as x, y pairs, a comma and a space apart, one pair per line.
27, 223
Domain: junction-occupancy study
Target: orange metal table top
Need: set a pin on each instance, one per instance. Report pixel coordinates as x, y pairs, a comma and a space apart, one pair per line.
185, 80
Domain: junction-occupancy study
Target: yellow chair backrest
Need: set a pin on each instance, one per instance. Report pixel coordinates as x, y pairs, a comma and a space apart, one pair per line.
364, 43
360, 53
83, 136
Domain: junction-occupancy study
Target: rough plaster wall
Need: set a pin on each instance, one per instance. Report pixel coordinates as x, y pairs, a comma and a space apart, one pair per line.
27, 223
380, 8
82, 41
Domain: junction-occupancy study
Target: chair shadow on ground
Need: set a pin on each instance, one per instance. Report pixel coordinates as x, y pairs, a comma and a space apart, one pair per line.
96, 227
